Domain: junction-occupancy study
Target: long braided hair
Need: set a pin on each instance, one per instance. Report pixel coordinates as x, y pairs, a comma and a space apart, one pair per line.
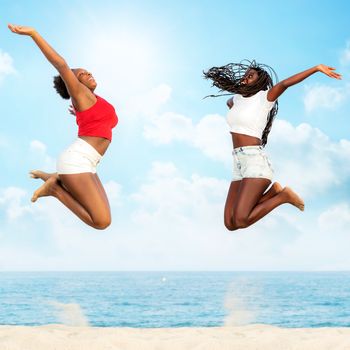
229, 78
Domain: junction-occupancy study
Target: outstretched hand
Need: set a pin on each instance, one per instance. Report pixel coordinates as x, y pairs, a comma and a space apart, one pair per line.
22, 30
330, 71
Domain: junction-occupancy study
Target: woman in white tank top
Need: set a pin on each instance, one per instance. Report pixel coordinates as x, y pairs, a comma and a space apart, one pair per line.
252, 111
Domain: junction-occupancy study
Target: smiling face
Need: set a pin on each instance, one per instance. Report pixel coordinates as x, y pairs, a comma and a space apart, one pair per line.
250, 77
85, 78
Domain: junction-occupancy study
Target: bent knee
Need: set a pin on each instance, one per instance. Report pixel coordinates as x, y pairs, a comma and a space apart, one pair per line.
240, 222
229, 225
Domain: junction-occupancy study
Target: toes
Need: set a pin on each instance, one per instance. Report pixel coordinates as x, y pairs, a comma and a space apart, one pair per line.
33, 174
301, 207
36, 195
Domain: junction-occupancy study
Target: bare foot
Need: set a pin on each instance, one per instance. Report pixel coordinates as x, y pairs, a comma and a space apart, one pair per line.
45, 189
38, 174
293, 198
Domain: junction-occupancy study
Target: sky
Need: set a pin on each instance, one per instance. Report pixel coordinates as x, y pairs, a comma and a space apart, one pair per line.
169, 166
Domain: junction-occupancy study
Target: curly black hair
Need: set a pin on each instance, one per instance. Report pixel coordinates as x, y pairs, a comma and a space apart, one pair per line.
230, 77
60, 87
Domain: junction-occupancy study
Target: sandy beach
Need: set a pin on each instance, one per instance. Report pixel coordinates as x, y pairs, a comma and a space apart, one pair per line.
59, 337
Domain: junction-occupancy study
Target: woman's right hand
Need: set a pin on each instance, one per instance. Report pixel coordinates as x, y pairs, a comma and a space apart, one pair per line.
330, 71
22, 30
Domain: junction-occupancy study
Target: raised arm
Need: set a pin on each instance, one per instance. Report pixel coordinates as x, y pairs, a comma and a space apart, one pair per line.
75, 88
278, 89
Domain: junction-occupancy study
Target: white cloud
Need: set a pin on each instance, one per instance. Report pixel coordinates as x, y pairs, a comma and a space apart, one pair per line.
114, 192
169, 127
11, 198
163, 170
307, 159
42, 160
213, 139
208, 134
6, 65
165, 187
175, 222
335, 218
323, 96
36, 145
297, 152
324, 240
183, 218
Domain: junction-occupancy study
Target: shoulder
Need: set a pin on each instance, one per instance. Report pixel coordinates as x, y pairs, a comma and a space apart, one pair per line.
263, 94
264, 100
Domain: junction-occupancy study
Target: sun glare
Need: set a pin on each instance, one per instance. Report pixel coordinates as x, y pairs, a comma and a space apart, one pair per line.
126, 57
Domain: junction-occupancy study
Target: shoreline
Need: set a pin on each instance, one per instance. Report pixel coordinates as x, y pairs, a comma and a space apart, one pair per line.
264, 337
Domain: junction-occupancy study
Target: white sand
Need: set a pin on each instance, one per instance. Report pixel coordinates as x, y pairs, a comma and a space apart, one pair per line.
57, 337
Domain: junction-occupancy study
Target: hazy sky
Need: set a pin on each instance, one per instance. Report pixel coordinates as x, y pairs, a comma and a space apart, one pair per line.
169, 167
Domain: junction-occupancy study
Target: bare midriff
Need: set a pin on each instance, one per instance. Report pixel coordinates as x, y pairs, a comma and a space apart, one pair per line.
241, 140
99, 143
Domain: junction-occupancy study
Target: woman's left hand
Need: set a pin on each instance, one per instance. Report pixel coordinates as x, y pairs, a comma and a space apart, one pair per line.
330, 71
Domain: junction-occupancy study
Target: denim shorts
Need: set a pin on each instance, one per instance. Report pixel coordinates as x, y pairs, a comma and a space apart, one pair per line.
251, 162
80, 157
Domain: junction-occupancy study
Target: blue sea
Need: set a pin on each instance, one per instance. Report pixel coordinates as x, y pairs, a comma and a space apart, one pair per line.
176, 299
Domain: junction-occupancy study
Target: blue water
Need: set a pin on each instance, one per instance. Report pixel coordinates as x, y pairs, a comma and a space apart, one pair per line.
178, 299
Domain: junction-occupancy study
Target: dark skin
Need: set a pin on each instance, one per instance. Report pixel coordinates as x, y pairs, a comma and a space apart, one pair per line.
82, 193
250, 199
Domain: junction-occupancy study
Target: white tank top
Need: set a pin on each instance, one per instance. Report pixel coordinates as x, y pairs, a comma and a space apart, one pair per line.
248, 115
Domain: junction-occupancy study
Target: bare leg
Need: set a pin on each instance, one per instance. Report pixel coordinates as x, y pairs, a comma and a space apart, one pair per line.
272, 191
246, 204
286, 196
233, 197
249, 210
231, 203
83, 194
101, 188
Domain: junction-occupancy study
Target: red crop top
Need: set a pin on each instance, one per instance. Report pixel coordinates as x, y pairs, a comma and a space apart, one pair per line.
98, 120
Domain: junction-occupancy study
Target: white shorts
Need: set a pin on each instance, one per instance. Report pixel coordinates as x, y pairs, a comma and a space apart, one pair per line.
251, 162
79, 157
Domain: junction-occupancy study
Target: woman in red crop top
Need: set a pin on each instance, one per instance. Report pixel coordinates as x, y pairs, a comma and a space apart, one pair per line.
76, 183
